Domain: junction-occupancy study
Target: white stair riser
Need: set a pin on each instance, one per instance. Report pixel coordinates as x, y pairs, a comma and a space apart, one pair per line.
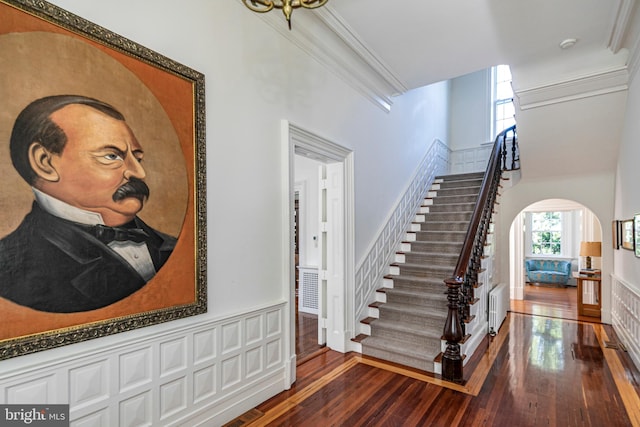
365, 329
437, 368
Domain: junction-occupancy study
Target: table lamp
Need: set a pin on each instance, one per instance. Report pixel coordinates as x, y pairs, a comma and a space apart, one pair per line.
589, 249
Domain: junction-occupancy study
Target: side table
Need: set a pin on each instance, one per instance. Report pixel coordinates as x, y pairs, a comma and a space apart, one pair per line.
589, 309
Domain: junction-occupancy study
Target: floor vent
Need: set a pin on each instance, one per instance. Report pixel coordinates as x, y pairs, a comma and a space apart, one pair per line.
308, 292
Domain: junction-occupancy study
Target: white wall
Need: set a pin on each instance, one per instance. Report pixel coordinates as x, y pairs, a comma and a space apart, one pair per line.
254, 78
470, 112
627, 196
626, 266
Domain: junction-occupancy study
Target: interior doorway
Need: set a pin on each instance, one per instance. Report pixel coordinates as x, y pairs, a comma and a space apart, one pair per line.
334, 238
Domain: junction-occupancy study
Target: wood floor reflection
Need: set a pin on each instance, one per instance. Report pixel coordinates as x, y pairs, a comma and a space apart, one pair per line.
537, 371
306, 336
559, 303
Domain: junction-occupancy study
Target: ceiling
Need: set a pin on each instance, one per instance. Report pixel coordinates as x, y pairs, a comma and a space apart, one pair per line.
458, 37
570, 100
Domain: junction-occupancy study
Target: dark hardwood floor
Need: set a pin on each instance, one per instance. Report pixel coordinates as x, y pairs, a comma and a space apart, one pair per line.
549, 301
538, 371
306, 336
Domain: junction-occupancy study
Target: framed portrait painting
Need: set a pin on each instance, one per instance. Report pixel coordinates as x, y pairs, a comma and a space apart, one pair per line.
627, 229
102, 211
616, 234
636, 234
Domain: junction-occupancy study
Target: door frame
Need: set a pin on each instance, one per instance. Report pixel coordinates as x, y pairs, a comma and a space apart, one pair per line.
296, 140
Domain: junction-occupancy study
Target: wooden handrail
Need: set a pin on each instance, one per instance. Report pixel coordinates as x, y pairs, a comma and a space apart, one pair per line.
466, 270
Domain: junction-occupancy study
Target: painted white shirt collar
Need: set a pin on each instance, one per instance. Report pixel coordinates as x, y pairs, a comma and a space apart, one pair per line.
66, 211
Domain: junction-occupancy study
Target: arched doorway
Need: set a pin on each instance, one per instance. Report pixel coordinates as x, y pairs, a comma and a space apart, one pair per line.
552, 230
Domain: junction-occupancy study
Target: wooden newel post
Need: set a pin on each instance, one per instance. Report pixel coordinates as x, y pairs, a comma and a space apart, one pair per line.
452, 360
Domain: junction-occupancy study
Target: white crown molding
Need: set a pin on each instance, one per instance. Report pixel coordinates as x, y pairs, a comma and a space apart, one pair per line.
325, 37
633, 63
595, 84
619, 25
338, 25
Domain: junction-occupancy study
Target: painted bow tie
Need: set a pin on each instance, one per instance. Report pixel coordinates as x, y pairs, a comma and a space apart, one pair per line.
109, 234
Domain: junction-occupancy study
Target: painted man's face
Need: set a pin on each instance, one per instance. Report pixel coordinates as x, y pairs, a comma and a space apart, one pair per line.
101, 155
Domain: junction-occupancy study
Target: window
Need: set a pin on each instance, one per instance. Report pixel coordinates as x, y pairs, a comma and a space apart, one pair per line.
546, 233
503, 107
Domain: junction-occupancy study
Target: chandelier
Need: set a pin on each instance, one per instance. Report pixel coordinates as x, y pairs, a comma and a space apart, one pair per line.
287, 6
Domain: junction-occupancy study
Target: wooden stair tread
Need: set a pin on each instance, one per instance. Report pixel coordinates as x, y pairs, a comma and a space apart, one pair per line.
440, 356
359, 338
414, 265
469, 319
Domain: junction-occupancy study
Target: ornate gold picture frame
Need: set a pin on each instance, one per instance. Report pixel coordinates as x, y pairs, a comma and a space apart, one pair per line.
47, 52
627, 231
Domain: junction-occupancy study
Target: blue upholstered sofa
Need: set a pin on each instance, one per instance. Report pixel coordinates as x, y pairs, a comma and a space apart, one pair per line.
548, 271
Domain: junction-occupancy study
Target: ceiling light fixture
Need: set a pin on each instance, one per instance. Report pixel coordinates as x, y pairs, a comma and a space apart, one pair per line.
287, 6
567, 43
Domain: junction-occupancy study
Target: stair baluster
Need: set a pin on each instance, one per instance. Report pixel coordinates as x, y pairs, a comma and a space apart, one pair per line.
460, 285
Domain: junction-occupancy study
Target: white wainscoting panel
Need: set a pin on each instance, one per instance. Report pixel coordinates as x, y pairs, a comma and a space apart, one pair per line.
135, 369
136, 410
173, 397
253, 329
202, 374
625, 316
97, 419
370, 272
471, 159
89, 384
33, 390
173, 357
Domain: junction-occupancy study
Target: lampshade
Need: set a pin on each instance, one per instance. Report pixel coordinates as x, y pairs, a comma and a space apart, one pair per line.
590, 249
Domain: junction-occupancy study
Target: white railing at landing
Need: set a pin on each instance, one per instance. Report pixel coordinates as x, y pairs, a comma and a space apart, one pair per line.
625, 316
475, 159
470, 159
371, 269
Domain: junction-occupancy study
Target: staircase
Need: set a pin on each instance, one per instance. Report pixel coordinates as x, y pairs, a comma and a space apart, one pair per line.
406, 321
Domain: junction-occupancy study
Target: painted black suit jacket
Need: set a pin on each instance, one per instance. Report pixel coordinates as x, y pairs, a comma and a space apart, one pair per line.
51, 264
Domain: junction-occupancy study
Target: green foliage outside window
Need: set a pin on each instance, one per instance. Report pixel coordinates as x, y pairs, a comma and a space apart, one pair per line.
546, 233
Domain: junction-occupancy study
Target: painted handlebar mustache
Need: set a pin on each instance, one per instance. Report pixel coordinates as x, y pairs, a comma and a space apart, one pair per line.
134, 188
